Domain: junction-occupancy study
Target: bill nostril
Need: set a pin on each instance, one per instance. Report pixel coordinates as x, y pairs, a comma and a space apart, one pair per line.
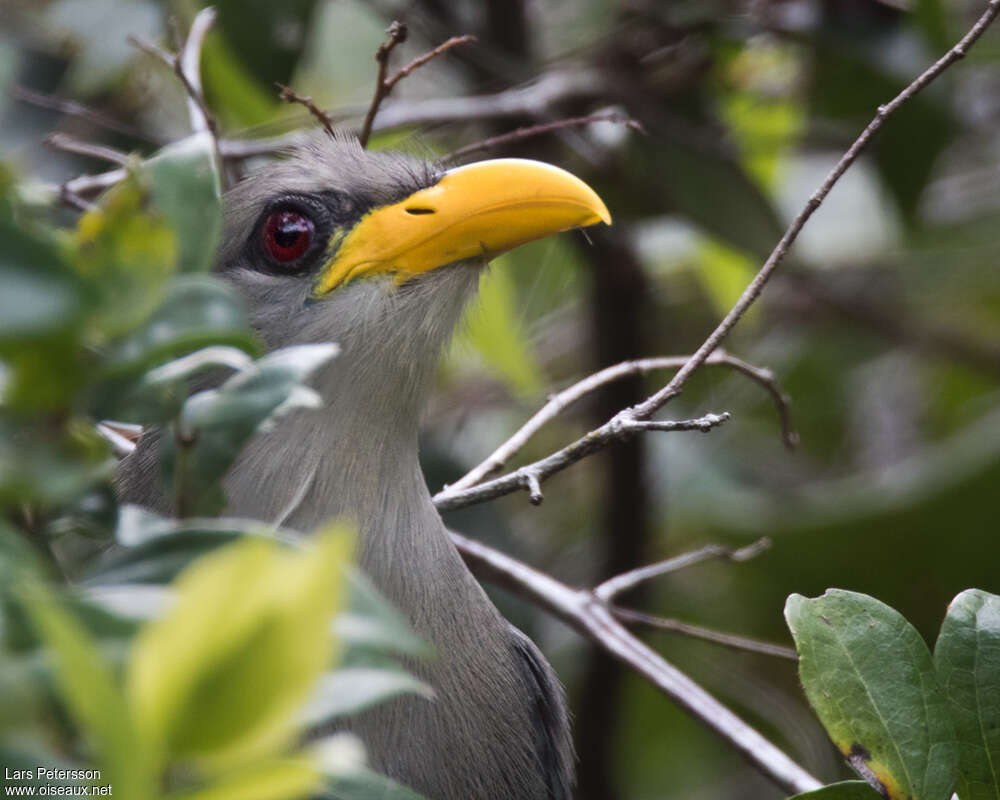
419, 210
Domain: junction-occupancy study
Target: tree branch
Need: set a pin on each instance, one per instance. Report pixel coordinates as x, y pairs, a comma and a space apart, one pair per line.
600, 437
69, 144
536, 99
595, 620
559, 402
730, 640
627, 581
384, 85
530, 131
289, 95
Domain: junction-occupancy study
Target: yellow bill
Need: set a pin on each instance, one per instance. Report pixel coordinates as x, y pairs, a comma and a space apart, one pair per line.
476, 211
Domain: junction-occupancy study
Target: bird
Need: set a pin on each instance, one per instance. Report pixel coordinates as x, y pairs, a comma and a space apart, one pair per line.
380, 252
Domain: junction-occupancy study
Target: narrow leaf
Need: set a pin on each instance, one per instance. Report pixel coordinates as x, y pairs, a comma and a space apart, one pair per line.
967, 656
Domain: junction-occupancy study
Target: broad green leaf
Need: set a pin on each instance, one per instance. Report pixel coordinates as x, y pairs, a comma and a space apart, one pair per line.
197, 311
871, 681
127, 254
349, 690
37, 465
40, 295
92, 695
251, 619
967, 657
274, 779
185, 188
846, 790
494, 329
214, 424
156, 549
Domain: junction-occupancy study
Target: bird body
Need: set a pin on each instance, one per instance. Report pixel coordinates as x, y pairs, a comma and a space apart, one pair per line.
497, 727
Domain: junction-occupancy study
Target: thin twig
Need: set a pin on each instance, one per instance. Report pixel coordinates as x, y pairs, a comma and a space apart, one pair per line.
731, 640
530, 131
561, 401
70, 198
201, 118
430, 55
85, 184
397, 34
62, 141
619, 584
533, 100
73, 109
703, 424
595, 620
383, 85
289, 95
600, 437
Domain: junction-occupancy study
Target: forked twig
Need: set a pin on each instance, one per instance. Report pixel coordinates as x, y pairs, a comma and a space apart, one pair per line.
383, 85
530, 131
562, 400
600, 437
289, 95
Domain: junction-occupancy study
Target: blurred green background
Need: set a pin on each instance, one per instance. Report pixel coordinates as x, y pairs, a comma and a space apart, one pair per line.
883, 326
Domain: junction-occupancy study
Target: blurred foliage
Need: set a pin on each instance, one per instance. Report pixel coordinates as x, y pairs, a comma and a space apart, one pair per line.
883, 326
128, 642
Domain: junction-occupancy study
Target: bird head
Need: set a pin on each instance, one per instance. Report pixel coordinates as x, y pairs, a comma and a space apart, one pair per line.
380, 251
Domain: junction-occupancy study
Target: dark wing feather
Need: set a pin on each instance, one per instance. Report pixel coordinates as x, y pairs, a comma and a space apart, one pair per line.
550, 719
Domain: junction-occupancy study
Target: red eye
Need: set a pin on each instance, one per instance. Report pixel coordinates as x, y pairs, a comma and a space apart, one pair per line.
287, 234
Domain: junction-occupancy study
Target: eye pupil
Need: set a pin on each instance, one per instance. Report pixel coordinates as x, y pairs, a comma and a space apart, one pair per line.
287, 234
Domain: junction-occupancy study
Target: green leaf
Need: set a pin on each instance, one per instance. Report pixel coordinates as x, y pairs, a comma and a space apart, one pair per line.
846, 790
347, 691
41, 295
197, 311
274, 779
967, 657
251, 620
185, 188
128, 255
92, 696
214, 424
871, 680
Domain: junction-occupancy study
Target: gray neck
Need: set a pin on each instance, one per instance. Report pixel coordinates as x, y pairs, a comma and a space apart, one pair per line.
356, 456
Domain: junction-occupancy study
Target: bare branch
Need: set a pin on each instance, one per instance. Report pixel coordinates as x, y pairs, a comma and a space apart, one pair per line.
73, 200
703, 424
595, 620
537, 130
397, 34
430, 55
289, 95
600, 437
533, 100
559, 402
187, 64
73, 109
62, 141
733, 641
619, 584
85, 184
384, 85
